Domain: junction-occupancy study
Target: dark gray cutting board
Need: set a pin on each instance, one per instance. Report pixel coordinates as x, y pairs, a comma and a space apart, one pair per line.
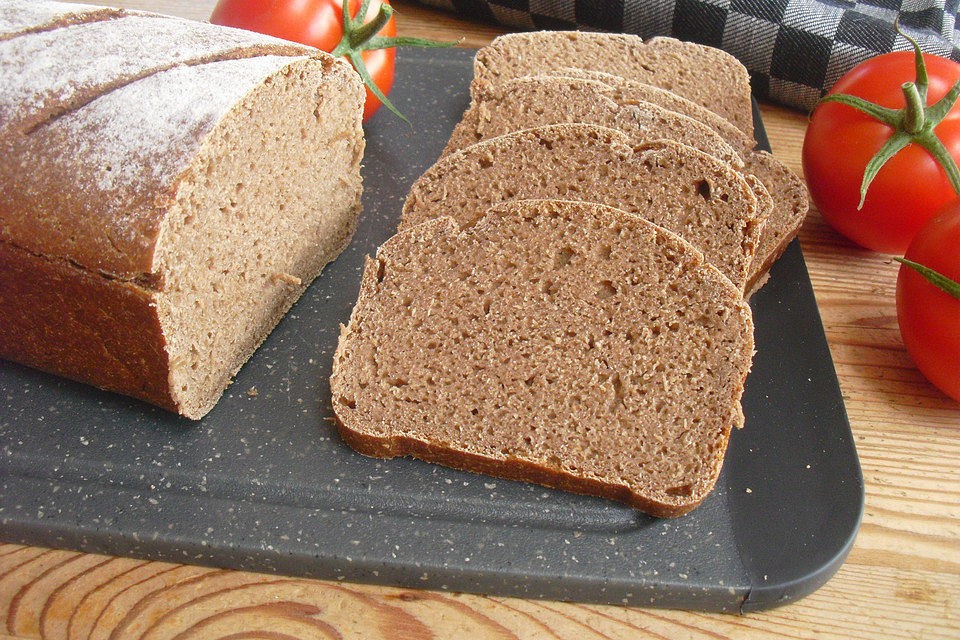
264, 483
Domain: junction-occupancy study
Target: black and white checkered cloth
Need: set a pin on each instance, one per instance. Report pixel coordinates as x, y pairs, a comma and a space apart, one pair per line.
794, 49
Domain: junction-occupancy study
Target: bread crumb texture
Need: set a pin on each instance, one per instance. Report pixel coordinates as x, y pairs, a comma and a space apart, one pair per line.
631, 91
558, 342
526, 102
707, 76
240, 244
695, 195
788, 192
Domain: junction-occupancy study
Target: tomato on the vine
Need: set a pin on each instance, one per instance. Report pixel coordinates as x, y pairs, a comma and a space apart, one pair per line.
911, 185
367, 38
929, 313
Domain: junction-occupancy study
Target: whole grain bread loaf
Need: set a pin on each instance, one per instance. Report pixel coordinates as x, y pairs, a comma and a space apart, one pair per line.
689, 192
533, 101
563, 343
153, 232
707, 76
789, 193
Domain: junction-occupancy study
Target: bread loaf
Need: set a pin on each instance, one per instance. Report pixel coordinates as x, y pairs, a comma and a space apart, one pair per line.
563, 343
699, 197
707, 76
154, 229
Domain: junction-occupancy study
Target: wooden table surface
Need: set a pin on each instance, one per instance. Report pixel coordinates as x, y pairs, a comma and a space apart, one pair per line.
901, 580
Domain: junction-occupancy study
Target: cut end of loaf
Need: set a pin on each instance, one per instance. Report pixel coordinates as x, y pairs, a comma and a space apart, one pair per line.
562, 343
272, 197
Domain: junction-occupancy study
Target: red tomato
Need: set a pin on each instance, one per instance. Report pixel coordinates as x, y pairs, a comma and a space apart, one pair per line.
840, 141
930, 317
317, 23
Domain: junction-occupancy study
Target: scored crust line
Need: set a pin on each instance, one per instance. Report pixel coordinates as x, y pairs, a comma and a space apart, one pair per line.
100, 15
242, 53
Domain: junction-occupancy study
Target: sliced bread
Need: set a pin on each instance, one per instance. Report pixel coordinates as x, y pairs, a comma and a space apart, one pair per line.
631, 92
707, 76
533, 101
790, 200
790, 207
563, 343
687, 191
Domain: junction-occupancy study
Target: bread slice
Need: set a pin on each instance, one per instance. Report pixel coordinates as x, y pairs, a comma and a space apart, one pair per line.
532, 101
152, 238
707, 76
563, 343
790, 207
790, 200
678, 187
632, 91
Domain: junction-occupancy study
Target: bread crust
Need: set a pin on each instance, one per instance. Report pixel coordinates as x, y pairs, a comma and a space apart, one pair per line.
20, 17
64, 320
139, 45
511, 469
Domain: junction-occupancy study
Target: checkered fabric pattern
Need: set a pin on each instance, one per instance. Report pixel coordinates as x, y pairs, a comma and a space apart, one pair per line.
794, 49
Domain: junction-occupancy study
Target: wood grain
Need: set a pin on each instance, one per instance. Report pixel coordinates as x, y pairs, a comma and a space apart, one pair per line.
902, 579
67, 595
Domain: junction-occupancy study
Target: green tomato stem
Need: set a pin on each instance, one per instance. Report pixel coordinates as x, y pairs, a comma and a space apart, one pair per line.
913, 117
935, 278
890, 148
362, 34
916, 123
358, 37
922, 81
929, 141
891, 117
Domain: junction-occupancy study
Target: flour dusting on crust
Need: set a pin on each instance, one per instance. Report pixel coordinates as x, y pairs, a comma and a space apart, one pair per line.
17, 16
123, 154
46, 73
